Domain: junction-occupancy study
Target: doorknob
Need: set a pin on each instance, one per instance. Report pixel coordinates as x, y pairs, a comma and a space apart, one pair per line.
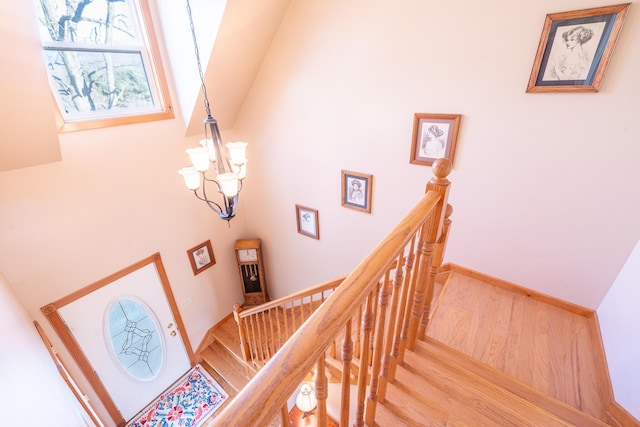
173, 333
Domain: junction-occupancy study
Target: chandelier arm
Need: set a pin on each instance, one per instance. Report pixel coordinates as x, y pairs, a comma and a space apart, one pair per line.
213, 205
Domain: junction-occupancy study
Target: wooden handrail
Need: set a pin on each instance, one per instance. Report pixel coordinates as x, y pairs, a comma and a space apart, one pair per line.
327, 286
267, 393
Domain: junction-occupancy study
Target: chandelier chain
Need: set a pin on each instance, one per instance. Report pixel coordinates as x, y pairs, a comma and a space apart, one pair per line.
197, 52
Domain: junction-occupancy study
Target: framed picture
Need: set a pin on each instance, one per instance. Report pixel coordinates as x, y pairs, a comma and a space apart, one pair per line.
356, 190
307, 220
434, 137
201, 257
575, 49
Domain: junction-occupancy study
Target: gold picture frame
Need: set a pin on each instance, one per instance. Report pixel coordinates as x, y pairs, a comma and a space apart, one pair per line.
575, 49
434, 137
356, 190
201, 257
307, 220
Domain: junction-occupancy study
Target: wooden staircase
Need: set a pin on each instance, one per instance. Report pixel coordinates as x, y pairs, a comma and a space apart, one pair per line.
481, 352
436, 385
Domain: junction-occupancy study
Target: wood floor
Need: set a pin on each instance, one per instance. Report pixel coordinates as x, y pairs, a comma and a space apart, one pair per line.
539, 344
493, 356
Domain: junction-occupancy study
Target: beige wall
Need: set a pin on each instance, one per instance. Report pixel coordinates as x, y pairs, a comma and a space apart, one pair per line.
544, 187
114, 199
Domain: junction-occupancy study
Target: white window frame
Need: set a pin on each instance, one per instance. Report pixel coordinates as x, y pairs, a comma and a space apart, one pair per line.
150, 56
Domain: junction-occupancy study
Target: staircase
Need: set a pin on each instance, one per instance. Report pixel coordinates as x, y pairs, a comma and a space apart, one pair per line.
385, 347
437, 385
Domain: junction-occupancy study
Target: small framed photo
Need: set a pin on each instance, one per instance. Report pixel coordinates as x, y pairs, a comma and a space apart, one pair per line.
356, 190
201, 257
307, 220
434, 137
575, 49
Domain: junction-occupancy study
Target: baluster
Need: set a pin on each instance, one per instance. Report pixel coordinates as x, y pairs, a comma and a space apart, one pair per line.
285, 316
390, 330
367, 327
302, 319
397, 336
237, 309
429, 235
264, 336
409, 301
284, 415
358, 338
379, 333
289, 319
259, 340
321, 391
438, 256
347, 357
252, 335
281, 339
369, 358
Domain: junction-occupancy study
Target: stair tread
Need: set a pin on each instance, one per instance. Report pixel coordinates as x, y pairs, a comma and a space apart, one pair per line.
432, 349
226, 333
407, 406
219, 358
467, 390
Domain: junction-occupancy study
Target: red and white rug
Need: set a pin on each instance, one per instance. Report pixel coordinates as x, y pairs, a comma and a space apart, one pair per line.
187, 403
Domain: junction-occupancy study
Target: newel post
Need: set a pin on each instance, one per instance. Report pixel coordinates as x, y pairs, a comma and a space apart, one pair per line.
438, 256
429, 236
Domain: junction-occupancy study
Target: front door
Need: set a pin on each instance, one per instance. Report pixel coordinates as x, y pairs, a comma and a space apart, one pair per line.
128, 330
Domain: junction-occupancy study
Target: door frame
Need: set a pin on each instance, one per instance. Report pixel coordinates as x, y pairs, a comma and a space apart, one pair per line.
68, 340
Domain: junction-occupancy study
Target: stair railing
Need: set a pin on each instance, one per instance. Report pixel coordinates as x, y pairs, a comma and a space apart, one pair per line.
394, 279
265, 328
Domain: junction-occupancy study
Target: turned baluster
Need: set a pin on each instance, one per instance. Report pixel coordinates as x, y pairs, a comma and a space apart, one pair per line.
322, 391
400, 324
347, 357
429, 235
438, 257
390, 330
374, 310
383, 302
244, 347
367, 327
358, 337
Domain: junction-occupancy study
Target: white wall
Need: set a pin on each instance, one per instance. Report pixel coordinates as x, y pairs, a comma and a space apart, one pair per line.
544, 187
114, 199
28, 373
619, 322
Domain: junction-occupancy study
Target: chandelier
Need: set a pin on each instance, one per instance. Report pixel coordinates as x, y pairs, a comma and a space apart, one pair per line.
228, 161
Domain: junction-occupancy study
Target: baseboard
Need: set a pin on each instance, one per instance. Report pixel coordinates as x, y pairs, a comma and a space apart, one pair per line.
621, 416
573, 308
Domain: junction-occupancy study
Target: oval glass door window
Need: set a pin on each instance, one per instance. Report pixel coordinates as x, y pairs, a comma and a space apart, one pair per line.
135, 339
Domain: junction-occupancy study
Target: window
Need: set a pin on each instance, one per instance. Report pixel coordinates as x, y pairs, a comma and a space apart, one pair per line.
103, 62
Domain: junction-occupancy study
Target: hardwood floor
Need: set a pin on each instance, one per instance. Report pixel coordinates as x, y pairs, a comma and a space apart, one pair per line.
541, 345
492, 356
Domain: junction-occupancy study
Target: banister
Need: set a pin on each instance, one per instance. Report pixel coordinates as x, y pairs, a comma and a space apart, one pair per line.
259, 402
293, 297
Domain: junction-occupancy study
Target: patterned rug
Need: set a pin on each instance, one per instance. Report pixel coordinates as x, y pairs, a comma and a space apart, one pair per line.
187, 403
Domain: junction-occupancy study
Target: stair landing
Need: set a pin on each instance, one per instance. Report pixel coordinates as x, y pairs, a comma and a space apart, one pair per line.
542, 345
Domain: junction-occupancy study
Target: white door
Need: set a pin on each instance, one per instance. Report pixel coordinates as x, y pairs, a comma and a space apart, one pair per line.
128, 334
